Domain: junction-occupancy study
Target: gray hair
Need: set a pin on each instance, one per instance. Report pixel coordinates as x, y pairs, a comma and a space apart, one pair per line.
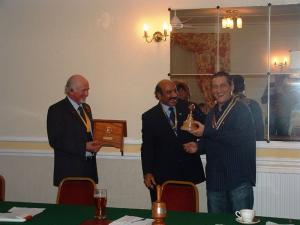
71, 83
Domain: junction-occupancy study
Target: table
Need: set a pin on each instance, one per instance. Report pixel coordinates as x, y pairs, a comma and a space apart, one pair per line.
75, 215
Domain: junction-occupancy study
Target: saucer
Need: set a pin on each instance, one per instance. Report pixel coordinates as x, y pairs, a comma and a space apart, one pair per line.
255, 220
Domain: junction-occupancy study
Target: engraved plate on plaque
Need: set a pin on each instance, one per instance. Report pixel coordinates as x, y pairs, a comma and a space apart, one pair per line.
108, 133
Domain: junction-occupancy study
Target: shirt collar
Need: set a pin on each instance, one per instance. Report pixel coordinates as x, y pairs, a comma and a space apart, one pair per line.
74, 104
166, 108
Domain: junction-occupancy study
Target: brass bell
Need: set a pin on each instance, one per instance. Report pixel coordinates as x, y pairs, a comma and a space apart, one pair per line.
188, 123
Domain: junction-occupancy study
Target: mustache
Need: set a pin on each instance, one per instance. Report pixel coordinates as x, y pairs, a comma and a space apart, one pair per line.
173, 98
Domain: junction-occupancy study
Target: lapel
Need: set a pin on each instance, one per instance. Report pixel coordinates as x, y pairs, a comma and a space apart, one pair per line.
87, 109
180, 117
73, 112
182, 112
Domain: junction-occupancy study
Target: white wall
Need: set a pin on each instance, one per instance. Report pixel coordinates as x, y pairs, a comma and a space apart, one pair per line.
122, 178
28, 176
44, 42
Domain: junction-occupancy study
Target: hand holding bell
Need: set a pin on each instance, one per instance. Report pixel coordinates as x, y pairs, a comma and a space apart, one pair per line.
188, 124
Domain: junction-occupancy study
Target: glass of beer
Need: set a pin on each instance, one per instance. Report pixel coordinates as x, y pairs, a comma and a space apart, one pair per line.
100, 197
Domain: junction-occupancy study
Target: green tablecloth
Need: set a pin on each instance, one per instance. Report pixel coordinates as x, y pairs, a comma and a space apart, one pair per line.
74, 215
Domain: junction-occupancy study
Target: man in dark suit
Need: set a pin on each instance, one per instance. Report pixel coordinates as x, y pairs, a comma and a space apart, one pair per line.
256, 112
70, 134
163, 156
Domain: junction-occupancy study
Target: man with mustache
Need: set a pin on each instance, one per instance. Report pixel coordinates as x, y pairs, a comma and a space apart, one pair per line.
163, 156
228, 139
70, 133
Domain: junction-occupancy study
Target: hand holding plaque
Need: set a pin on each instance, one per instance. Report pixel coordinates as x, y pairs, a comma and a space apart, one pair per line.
188, 124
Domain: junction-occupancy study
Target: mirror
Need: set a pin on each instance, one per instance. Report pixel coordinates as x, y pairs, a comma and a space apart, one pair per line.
260, 51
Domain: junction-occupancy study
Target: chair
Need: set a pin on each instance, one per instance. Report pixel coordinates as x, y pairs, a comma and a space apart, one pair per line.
180, 196
76, 191
2, 188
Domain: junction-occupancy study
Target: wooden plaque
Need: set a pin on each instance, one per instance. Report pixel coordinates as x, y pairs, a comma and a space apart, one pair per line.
111, 132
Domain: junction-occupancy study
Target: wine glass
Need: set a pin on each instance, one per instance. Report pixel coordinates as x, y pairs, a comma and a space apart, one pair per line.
100, 197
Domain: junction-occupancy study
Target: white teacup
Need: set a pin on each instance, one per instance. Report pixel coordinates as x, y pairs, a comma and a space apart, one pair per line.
245, 215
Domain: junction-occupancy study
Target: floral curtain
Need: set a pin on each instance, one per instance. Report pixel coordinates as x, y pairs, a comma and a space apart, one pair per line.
204, 46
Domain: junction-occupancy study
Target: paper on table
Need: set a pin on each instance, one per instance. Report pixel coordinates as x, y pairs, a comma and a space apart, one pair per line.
10, 217
143, 222
132, 220
271, 223
23, 211
20, 214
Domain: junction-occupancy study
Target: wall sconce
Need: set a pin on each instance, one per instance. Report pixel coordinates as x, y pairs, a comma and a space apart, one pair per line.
157, 36
228, 20
280, 65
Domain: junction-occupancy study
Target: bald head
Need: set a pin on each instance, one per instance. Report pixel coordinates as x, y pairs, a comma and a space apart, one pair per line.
77, 88
166, 93
73, 82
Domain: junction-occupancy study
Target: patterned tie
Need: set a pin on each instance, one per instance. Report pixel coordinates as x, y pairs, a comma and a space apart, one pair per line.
80, 109
172, 115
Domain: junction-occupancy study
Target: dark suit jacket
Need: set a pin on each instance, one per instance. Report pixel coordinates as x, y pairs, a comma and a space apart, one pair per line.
162, 152
67, 136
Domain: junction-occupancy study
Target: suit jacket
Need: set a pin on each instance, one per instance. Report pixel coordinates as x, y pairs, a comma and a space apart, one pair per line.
162, 151
67, 136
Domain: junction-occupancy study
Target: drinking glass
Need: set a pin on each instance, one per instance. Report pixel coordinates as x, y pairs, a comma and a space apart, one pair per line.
100, 197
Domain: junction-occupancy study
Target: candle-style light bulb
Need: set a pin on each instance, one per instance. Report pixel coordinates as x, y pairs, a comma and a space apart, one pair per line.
224, 23
146, 28
228, 22
165, 29
239, 22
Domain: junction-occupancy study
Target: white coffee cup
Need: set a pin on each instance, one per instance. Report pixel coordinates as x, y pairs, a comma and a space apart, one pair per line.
245, 215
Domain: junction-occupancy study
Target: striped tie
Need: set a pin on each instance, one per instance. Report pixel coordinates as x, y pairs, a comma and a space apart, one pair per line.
172, 115
80, 109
